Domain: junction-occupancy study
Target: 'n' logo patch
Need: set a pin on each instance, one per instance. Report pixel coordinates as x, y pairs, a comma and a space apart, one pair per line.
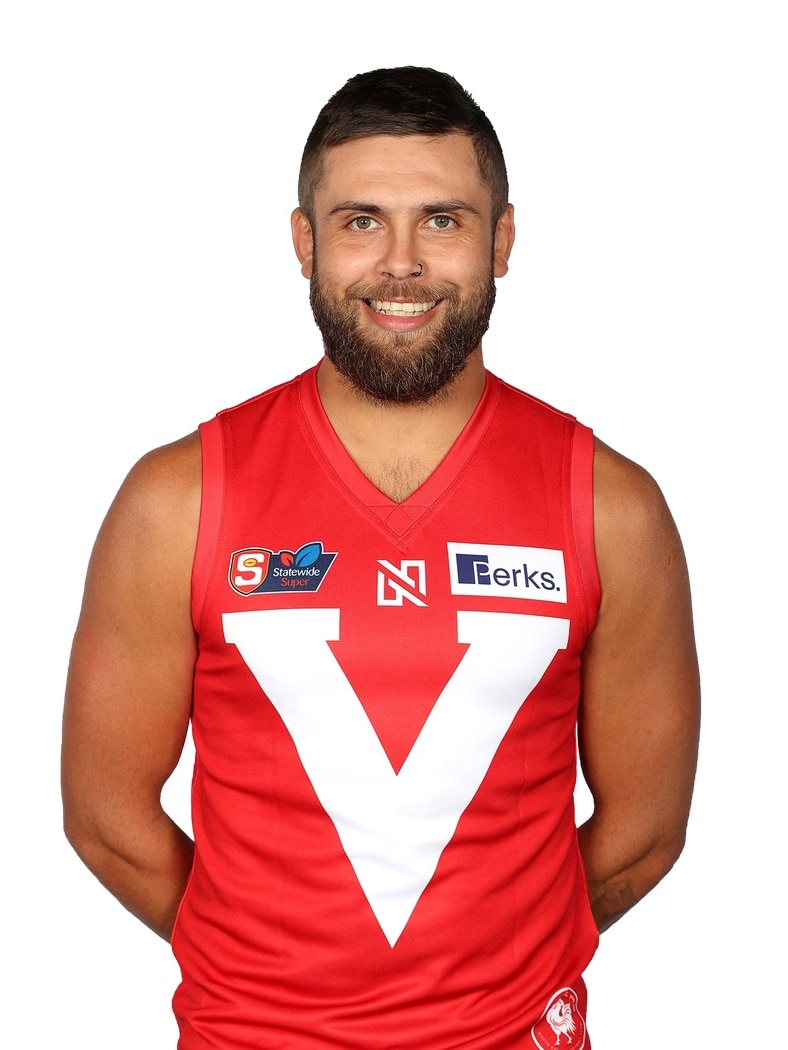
406, 583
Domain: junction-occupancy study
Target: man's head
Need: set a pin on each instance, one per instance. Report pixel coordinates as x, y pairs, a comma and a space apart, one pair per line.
405, 100
402, 228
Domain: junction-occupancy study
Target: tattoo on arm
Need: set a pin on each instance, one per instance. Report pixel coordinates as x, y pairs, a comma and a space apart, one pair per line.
610, 900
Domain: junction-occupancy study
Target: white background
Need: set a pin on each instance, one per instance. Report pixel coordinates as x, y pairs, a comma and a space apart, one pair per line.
150, 153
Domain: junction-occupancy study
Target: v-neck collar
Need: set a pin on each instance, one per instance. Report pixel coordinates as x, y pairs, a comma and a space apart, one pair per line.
398, 517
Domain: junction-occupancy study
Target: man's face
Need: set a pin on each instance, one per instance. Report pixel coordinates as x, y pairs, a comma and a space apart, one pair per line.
402, 259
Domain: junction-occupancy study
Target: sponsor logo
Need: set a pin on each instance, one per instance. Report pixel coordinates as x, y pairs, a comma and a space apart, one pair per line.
406, 583
257, 570
561, 1024
488, 570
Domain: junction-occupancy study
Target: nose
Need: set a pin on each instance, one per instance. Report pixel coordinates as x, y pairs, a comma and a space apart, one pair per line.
403, 276
399, 261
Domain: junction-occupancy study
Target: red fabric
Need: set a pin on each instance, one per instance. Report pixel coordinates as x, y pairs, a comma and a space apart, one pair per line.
278, 943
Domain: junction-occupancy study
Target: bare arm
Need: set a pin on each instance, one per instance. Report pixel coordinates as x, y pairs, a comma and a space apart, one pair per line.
129, 689
640, 708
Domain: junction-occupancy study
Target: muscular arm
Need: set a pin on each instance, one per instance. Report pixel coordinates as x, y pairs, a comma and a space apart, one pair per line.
129, 688
639, 716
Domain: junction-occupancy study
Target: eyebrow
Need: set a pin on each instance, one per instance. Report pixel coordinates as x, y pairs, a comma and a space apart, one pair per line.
430, 208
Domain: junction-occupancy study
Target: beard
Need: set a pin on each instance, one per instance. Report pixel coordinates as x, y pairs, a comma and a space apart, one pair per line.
404, 367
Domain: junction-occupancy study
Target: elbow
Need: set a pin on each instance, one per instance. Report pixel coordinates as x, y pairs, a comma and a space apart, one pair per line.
80, 834
90, 829
657, 861
666, 852
660, 854
72, 824
622, 868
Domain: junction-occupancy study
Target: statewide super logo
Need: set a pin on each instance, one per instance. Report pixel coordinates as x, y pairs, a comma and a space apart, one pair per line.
256, 570
489, 570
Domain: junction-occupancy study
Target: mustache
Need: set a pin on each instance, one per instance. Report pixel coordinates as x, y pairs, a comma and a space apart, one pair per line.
409, 291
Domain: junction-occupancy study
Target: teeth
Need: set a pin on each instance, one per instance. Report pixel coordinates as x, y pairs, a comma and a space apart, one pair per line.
401, 309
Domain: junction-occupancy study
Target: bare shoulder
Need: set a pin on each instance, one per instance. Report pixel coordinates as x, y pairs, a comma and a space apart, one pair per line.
163, 479
178, 459
645, 616
157, 506
634, 528
138, 579
617, 478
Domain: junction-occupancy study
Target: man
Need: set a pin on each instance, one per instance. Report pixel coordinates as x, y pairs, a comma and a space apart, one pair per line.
388, 594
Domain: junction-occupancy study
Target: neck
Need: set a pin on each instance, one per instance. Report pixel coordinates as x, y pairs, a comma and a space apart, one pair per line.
397, 446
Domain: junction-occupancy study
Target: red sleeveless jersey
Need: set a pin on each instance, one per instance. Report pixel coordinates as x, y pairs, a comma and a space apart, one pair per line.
385, 706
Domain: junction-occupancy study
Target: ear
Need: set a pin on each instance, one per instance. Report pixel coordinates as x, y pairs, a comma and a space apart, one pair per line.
303, 241
503, 241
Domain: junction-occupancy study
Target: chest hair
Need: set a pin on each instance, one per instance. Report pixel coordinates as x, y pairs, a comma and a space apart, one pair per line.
401, 478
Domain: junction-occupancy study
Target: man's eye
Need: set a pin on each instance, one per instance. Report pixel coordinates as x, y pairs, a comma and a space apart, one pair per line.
362, 222
442, 222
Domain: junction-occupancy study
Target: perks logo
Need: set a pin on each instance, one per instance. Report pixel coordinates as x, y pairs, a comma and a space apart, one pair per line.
488, 570
256, 570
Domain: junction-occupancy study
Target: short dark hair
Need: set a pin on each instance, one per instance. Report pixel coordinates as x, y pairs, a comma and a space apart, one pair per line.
405, 100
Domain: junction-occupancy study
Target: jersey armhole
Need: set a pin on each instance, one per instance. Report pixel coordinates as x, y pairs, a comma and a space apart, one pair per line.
582, 501
211, 508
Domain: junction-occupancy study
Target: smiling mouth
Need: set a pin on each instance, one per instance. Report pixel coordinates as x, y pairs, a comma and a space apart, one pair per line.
381, 306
